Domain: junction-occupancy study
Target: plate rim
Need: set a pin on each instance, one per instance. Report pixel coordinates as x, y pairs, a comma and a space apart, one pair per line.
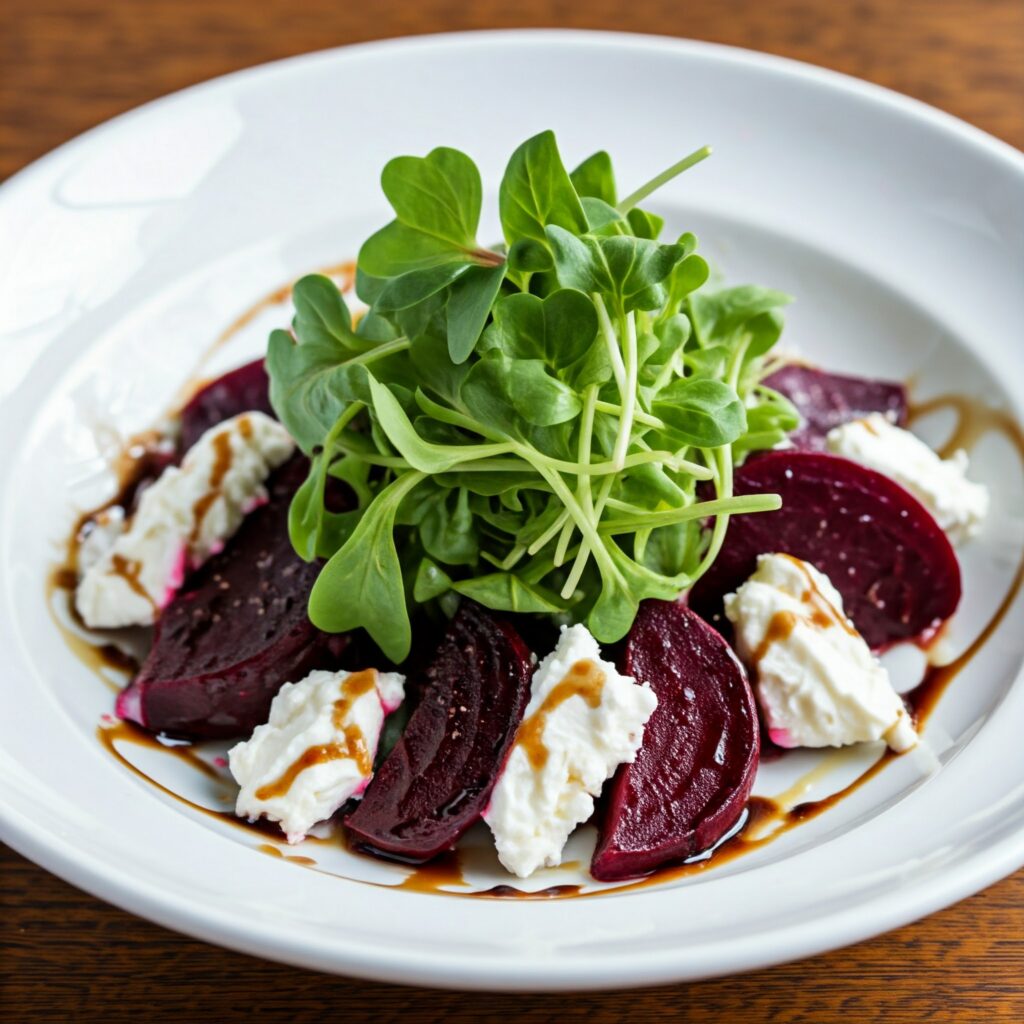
85, 870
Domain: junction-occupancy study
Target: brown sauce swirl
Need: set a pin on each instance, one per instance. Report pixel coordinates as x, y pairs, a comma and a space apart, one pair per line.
973, 421
823, 614
584, 680
354, 745
222, 458
129, 570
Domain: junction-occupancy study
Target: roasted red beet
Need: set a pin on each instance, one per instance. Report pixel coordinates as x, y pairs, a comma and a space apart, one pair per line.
437, 780
876, 542
827, 399
246, 389
692, 776
235, 633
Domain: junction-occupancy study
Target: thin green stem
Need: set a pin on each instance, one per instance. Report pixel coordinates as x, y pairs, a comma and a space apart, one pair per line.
658, 180
550, 532
640, 416
389, 461
611, 342
389, 348
722, 508
625, 434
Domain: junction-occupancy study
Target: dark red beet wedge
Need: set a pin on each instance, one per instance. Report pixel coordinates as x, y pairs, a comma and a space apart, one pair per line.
437, 780
692, 776
875, 541
246, 389
235, 633
825, 400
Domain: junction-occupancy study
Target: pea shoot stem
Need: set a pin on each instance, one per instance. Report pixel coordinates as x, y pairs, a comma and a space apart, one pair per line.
637, 197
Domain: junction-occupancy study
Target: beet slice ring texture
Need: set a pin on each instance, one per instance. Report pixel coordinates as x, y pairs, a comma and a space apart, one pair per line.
246, 389
880, 547
236, 632
437, 780
825, 400
692, 776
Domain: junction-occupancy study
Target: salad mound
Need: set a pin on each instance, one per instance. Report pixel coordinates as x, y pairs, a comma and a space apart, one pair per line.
511, 458
524, 424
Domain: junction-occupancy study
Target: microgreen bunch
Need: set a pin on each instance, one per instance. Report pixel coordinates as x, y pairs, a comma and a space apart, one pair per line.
546, 425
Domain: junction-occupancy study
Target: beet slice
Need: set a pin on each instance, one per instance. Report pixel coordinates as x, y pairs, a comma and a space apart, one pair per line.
692, 776
235, 633
875, 541
825, 400
437, 780
246, 389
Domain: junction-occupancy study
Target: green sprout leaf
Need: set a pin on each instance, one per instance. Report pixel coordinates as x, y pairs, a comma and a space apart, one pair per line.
702, 413
506, 592
536, 192
361, 584
595, 178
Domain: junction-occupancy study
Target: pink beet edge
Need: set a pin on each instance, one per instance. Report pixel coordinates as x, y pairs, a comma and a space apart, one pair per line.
781, 738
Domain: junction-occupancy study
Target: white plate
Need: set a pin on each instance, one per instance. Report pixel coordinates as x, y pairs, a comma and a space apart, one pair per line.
900, 231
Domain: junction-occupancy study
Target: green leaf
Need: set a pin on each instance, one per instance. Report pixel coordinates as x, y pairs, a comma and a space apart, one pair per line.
558, 329
311, 385
536, 191
398, 249
439, 194
316, 532
530, 256
412, 288
362, 583
687, 277
645, 224
717, 315
702, 413
469, 306
708, 362
768, 422
446, 528
500, 389
637, 267
420, 454
603, 219
629, 268
431, 581
505, 592
595, 177
764, 331
430, 360
321, 316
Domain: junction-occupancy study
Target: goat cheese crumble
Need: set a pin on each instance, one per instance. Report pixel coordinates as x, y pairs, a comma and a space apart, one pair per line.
959, 505
815, 678
584, 719
316, 750
182, 519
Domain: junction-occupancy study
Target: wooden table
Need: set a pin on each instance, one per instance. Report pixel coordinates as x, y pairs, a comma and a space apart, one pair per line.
65, 65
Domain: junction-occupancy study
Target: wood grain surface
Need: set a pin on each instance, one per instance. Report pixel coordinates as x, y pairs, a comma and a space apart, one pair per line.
66, 65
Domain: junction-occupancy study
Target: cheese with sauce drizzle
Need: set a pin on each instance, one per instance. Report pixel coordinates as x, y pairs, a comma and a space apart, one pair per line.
582, 722
182, 518
959, 505
815, 678
317, 749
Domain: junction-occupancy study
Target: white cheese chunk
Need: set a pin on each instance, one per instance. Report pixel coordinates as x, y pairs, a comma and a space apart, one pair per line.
317, 749
941, 485
98, 536
582, 722
815, 678
183, 518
